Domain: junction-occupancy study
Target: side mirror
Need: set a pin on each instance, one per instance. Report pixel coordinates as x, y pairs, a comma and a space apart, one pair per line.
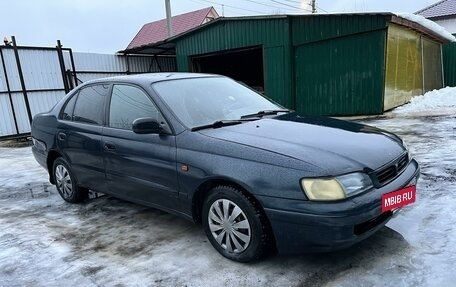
147, 126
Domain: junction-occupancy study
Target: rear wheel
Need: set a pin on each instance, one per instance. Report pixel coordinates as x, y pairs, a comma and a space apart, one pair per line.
234, 224
66, 182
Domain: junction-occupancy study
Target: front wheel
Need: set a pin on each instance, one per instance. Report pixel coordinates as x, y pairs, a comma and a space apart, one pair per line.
66, 182
235, 224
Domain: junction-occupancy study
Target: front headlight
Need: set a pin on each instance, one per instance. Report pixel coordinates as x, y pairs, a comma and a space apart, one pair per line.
327, 189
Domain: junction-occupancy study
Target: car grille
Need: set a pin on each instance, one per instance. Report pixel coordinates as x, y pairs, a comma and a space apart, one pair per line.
390, 172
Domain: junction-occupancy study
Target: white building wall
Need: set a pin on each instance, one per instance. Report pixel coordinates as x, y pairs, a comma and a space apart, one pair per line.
448, 24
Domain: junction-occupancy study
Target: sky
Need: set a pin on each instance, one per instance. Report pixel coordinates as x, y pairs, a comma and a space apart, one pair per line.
107, 26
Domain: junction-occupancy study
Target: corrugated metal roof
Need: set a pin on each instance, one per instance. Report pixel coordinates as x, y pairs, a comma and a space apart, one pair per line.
440, 9
157, 31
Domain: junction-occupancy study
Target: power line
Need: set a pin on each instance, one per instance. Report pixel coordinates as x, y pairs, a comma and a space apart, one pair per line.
260, 3
237, 12
319, 8
288, 5
297, 2
199, 2
233, 7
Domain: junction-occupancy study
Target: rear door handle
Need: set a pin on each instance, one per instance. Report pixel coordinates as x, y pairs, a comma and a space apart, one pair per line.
109, 146
61, 136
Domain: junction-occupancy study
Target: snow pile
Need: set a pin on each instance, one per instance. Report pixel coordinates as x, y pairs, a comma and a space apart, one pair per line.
436, 101
431, 25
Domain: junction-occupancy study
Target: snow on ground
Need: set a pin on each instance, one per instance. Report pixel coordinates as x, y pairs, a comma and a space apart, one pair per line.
45, 241
437, 102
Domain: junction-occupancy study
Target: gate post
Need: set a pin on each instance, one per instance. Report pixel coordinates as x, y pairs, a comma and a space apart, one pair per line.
62, 66
73, 67
9, 91
21, 78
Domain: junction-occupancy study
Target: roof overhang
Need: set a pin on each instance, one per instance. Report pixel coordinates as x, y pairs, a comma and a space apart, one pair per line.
166, 47
419, 28
162, 48
443, 17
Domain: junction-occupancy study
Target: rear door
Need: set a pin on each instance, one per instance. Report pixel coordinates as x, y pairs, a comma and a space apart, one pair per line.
139, 167
79, 135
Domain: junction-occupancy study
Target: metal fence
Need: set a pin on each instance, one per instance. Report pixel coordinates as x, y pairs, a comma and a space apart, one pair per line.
33, 79
449, 63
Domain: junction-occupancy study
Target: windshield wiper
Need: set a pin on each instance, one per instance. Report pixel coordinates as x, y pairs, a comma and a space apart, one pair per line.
265, 113
218, 124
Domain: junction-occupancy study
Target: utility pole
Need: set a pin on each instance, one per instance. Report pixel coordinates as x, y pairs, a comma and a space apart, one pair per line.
223, 10
314, 8
168, 18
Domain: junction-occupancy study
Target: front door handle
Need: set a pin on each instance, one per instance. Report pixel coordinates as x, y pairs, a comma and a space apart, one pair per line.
109, 146
61, 136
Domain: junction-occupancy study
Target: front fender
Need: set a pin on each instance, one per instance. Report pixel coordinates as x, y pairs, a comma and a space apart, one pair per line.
261, 172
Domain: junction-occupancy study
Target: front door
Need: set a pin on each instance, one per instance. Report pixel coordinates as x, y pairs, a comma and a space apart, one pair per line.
139, 167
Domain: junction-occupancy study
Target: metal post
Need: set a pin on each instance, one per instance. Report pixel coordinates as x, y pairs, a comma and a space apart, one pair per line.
150, 65
70, 80
9, 91
21, 78
314, 8
128, 64
422, 65
441, 64
62, 66
168, 18
73, 67
158, 64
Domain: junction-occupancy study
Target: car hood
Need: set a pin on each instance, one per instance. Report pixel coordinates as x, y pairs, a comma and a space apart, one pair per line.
335, 146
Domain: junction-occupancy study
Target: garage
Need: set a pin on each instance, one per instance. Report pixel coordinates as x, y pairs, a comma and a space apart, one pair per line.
244, 65
331, 64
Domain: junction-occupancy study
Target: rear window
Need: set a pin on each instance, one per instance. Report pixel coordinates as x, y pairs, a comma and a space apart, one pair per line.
67, 113
89, 107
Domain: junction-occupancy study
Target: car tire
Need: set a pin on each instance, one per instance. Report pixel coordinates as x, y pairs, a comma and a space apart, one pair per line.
235, 224
66, 182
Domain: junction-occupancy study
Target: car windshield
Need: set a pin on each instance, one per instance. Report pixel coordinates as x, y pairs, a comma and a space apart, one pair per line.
203, 101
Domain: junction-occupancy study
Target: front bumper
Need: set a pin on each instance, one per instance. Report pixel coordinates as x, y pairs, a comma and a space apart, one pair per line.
305, 226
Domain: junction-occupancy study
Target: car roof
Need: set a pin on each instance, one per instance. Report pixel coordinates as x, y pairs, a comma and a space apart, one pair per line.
149, 78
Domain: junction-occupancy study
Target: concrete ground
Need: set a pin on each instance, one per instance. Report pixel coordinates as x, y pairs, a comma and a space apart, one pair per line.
45, 241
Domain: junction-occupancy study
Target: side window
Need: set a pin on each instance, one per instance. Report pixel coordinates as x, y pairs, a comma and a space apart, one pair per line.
67, 113
89, 106
128, 104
